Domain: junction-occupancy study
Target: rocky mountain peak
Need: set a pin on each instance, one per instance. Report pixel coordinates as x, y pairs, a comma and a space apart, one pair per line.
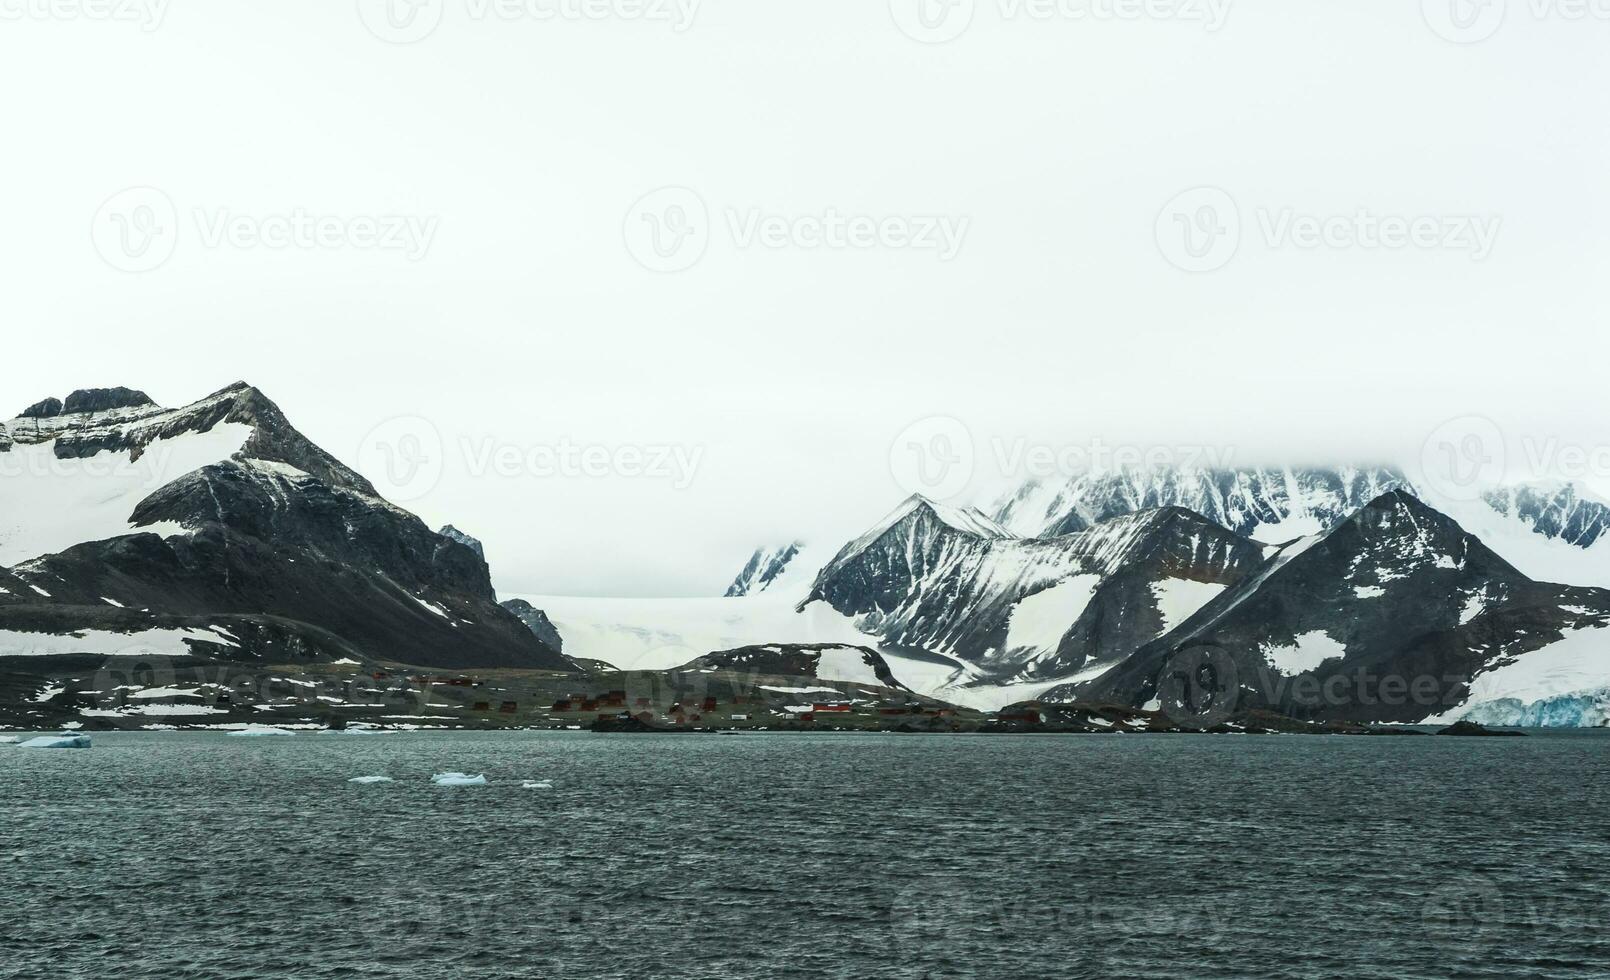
89, 400
474, 544
49, 408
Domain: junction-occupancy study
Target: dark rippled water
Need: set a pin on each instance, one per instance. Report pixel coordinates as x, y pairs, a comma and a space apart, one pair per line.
180, 855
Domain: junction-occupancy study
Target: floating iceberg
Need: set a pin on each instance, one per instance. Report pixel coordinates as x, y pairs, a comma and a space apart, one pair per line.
537, 784
370, 780
56, 742
9, 739
457, 779
259, 732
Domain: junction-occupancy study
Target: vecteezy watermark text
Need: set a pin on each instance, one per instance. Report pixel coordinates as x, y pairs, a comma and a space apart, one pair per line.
406, 458
670, 230
938, 21
147, 14
1202, 230
410, 21
140, 229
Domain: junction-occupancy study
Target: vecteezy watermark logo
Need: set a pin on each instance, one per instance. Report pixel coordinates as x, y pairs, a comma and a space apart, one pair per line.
1464, 21
933, 457
1464, 457
403, 457
148, 14
932, 21
1200, 229
1473, 21
1464, 914
1199, 687
668, 230
136, 230
298, 229
401, 21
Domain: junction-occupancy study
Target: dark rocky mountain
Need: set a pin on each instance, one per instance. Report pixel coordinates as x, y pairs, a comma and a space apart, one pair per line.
952, 582
824, 662
537, 621
1386, 617
276, 552
762, 570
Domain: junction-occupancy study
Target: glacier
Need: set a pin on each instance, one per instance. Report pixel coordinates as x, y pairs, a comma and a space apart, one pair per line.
1588, 710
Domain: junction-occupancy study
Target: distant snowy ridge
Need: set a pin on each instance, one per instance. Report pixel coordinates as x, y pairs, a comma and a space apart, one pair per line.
1552, 531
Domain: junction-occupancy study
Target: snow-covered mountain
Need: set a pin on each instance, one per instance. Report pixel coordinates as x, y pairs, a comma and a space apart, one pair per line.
217, 529
955, 583
1395, 614
1554, 532
762, 569
1271, 505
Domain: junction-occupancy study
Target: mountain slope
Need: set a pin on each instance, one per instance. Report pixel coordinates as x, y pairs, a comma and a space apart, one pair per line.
956, 584
821, 662
1386, 617
762, 569
124, 526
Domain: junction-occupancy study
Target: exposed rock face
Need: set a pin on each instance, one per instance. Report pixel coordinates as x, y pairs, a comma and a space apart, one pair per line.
88, 400
955, 584
762, 570
280, 540
473, 544
1386, 617
537, 621
47, 409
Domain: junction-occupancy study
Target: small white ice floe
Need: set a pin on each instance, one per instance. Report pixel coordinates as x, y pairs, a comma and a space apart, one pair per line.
259, 732
457, 779
9, 739
537, 784
56, 742
370, 780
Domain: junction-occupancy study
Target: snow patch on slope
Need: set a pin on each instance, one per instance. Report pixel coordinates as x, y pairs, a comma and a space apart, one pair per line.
1040, 621
847, 664
146, 643
47, 505
1178, 599
1309, 653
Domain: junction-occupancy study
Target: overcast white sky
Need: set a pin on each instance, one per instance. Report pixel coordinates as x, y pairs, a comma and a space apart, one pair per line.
1052, 147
